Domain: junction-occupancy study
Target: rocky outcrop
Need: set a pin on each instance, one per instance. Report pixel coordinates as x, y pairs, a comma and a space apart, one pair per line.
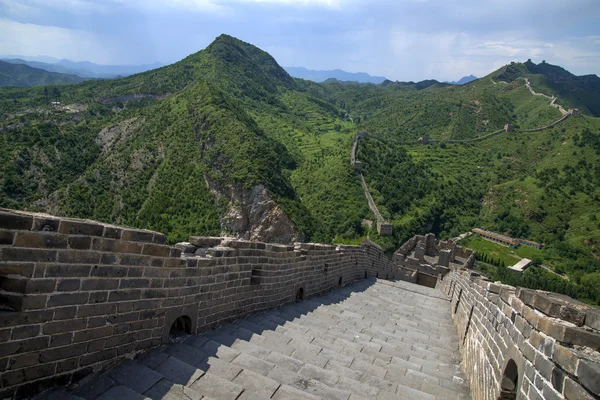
253, 215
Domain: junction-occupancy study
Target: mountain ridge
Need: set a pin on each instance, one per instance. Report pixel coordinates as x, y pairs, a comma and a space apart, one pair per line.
21, 75
226, 142
338, 74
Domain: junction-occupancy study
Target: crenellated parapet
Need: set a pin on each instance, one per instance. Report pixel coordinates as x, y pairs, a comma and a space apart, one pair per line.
76, 296
429, 260
522, 343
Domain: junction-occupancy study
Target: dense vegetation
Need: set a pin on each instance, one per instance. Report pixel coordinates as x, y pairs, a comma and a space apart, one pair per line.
21, 75
161, 149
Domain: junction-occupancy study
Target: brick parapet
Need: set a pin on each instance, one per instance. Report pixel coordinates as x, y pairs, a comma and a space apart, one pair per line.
553, 340
78, 296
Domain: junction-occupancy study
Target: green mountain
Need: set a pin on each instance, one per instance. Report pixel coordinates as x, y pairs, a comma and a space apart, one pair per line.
21, 75
582, 92
225, 141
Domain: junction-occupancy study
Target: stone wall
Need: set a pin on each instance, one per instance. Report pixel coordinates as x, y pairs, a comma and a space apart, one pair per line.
521, 343
77, 296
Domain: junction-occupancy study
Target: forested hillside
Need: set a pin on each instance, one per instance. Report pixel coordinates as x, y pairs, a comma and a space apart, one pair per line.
21, 75
225, 141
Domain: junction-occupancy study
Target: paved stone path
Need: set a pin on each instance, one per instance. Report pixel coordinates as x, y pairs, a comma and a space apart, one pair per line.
369, 340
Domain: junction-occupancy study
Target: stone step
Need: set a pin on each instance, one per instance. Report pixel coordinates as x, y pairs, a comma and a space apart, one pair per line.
372, 343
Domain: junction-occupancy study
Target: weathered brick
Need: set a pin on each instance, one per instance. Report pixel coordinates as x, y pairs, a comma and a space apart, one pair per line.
78, 257
205, 241
41, 240
40, 286
592, 319
24, 360
27, 374
91, 334
124, 295
588, 373
566, 358
68, 285
93, 358
98, 297
130, 259
134, 283
116, 246
137, 235
60, 353
67, 299
80, 242
61, 339
573, 391
15, 284
34, 302
24, 332
51, 328
96, 309
156, 250
175, 253
65, 271
96, 322
73, 227
112, 232
15, 221
159, 238
109, 272
65, 313
16, 254
99, 284
45, 224
67, 365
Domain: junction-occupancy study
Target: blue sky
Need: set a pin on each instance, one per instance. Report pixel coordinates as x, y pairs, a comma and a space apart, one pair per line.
399, 39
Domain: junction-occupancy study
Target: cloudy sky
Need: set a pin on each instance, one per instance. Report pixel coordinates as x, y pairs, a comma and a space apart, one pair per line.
398, 39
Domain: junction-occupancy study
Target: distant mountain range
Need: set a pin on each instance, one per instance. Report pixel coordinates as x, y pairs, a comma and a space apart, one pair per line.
22, 75
322, 76
84, 69
463, 80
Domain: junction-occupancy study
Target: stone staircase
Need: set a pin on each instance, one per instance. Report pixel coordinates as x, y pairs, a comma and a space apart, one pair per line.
369, 340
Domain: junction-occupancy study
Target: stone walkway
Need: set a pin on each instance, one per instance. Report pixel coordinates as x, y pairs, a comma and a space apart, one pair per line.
369, 340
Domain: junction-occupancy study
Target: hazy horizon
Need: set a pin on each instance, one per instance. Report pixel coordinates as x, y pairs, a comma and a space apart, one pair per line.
401, 40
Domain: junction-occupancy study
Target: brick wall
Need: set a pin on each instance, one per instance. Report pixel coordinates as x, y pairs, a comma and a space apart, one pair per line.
544, 344
77, 296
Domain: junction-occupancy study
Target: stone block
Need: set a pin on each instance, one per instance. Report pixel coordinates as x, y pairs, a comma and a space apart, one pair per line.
112, 232
573, 391
592, 319
79, 227
137, 235
205, 241
46, 224
78, 257
64, 271
61, 353
566, 358
16, 254
159, 238
80, 242
116, 246
560, 308
10, 220
156, 250
51, 328
588, 373
40, 240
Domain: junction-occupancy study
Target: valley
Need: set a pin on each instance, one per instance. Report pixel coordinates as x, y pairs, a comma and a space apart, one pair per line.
226, 142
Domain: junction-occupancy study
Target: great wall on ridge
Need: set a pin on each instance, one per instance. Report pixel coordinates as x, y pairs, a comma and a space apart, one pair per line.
97, 310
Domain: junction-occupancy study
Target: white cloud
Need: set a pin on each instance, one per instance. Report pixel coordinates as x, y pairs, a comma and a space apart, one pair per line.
37, 40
